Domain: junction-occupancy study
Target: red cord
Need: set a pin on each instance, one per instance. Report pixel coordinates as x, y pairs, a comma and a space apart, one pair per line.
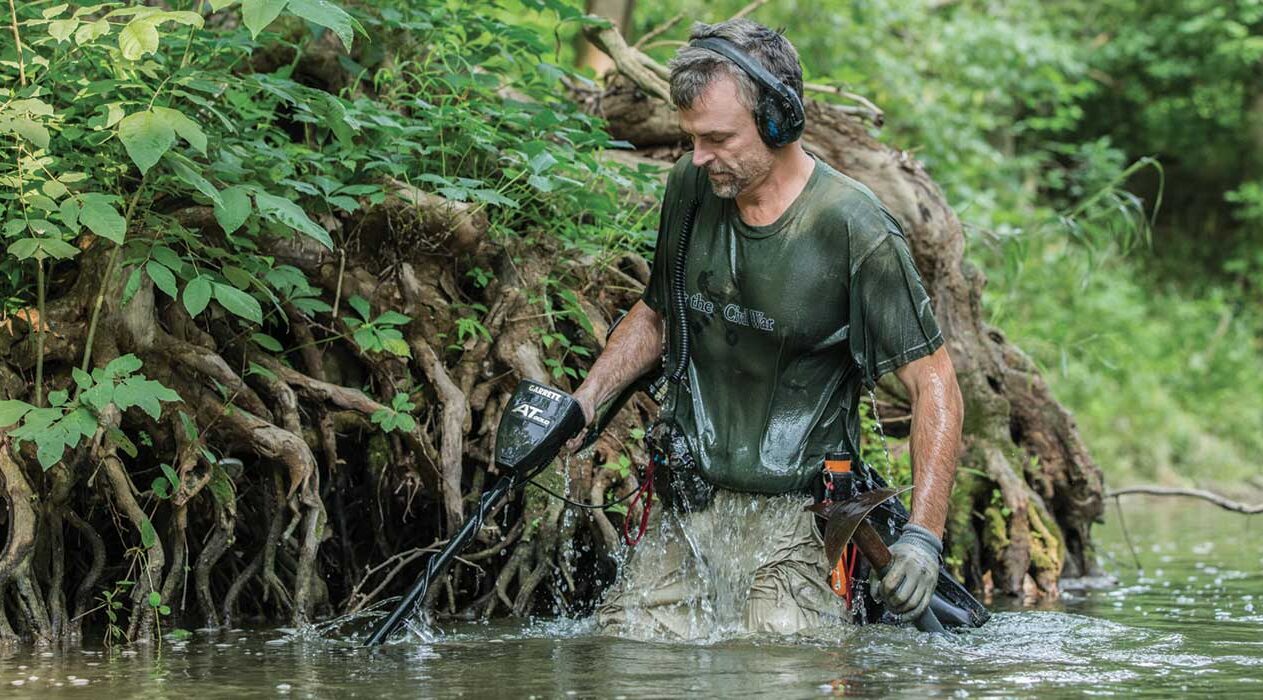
643, 492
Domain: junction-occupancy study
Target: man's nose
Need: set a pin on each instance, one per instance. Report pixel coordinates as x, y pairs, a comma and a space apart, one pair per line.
701, 157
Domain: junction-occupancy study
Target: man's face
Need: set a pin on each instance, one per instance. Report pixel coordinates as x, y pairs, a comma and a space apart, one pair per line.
725, 139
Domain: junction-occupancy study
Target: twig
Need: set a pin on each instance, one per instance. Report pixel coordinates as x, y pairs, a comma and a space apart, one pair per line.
17, 39
866, 110
657, 31
629, 61
1126, 535
749, 8
1215, 498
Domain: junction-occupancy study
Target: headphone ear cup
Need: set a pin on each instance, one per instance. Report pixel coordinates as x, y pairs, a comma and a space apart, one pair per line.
771, 121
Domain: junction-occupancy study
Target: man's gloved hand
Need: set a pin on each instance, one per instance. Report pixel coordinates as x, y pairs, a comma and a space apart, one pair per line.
909, 583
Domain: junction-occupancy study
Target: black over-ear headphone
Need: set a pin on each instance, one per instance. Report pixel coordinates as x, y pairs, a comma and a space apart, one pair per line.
779, 112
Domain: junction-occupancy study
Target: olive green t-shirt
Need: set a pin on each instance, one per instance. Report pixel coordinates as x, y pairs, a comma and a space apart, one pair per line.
787, 322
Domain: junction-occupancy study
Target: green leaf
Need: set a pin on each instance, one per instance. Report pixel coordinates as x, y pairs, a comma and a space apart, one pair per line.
237, 276
267, 342
396, 346
58, 248
24, 248
82, 379
147, 394
54, 189
233, 208
290, 214
173, 477
31, 131
132, 286
238, 302
80, 423
91, 31
123, 365
161, 487
101, 218
12, 410
193, 178
62, 29
162, 278
69, 210
49, 450
99, 396
148, 538
256, 368
360, 304
122, 442
168, 258
491, 196
258, 14
138, 38
146, 136
197, 294
185, 127
58, 398
326, 14
190, 428
392, 318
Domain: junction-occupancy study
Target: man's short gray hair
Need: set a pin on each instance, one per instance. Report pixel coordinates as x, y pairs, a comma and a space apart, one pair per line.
693, 69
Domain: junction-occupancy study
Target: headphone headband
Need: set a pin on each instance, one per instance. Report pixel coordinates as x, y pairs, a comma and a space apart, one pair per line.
791, 106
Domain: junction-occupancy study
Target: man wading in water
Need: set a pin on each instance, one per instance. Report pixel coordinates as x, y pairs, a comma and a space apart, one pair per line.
799, 290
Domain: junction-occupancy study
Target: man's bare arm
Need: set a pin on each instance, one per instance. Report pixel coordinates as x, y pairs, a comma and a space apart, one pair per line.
937, 412
633, 349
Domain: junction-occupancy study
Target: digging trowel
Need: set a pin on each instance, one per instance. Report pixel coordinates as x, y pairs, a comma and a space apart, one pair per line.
846, 521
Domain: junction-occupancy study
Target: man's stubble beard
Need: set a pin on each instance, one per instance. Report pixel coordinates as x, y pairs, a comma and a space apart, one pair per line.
741, 176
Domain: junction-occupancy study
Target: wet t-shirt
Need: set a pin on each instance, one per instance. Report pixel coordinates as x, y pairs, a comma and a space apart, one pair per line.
787, 323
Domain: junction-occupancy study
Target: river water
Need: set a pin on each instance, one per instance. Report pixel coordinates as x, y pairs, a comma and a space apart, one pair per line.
1189, 621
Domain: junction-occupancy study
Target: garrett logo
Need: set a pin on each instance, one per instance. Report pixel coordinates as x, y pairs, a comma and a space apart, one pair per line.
531, 413
550, 395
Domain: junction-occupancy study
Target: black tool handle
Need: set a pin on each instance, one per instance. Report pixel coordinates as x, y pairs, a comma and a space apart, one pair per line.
439, 561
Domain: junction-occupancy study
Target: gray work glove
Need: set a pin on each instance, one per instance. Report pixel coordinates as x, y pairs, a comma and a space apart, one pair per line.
909, 582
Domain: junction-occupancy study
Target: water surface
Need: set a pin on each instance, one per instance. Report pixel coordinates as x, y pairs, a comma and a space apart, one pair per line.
1190, 620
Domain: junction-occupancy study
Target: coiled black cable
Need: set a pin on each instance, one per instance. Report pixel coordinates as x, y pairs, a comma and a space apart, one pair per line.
680, 295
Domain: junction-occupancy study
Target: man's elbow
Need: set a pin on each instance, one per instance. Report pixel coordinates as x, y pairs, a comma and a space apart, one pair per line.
933, 378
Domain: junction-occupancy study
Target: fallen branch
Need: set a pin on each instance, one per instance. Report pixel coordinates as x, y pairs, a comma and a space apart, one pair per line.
1222, 502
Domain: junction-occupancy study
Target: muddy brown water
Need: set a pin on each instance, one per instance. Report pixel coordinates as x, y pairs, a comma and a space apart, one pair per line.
1190, 621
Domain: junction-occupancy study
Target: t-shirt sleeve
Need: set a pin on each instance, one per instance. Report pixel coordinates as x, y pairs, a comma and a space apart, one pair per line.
657, 291
892, 322
655, 295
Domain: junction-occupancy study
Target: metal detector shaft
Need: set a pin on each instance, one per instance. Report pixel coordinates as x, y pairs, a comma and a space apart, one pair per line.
439, 561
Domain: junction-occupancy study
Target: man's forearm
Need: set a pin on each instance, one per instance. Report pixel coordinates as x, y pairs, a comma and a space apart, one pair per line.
633, 349
937, 412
